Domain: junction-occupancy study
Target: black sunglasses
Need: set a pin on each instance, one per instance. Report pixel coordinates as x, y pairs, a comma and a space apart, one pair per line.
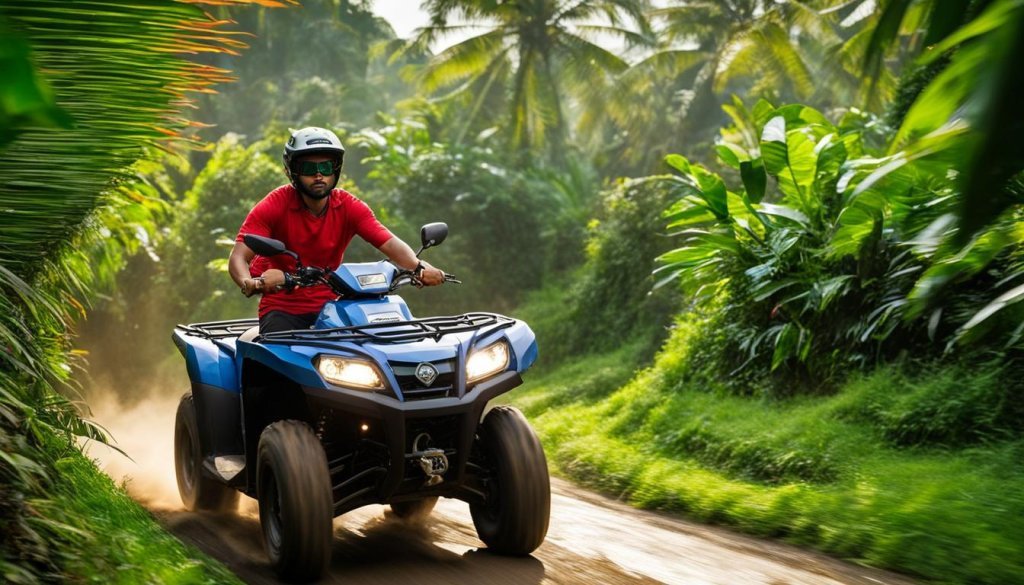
308, 168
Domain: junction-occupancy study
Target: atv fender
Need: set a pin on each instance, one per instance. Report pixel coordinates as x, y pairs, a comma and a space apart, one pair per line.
215, 393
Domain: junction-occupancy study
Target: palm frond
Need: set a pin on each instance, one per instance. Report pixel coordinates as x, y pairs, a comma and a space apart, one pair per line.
119, 73
594, 32
585, 62
468, 59
667, 63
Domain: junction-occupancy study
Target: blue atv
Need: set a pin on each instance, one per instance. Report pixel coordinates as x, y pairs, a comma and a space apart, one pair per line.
369, 406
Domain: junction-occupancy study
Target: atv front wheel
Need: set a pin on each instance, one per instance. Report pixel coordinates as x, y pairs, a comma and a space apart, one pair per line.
414, 510
296, 507
514, 518
198, 492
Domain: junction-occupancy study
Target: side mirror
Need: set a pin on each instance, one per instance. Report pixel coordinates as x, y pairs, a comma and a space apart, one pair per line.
432, 234
267, 246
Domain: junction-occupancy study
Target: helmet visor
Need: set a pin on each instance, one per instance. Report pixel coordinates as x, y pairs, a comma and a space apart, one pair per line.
308, 168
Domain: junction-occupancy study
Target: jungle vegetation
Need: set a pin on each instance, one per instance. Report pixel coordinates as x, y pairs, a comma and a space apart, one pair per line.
774, 248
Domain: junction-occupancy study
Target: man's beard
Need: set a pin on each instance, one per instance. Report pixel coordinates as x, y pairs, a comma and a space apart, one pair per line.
312, 194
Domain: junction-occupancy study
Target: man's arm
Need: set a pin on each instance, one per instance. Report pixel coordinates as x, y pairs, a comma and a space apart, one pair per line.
238, 268
402, 256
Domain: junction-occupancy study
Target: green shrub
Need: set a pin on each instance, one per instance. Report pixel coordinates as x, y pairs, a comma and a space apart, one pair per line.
813, 470
746, 457
194, 256
952, 406
497, 216
184, 276
611, 298
116, 540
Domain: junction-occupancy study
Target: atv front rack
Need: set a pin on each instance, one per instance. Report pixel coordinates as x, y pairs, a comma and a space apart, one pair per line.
397, 331
219, 329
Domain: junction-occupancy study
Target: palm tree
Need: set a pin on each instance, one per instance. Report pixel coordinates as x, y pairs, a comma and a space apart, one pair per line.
669, 101
540, 53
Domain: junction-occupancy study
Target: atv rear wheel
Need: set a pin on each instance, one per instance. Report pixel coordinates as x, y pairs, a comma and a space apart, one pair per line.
514, 518
296, 506
198, 492
414, 510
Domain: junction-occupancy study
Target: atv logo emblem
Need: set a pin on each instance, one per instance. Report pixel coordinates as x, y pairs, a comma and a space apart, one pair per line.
426, 373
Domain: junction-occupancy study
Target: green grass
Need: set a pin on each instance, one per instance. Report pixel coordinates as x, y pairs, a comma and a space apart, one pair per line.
109, 538
910, 469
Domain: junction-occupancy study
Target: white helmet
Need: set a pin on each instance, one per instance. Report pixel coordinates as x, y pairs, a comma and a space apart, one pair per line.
312, 140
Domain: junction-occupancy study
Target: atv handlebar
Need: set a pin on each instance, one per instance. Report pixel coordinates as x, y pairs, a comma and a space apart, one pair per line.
431, 234
405, 277
312, 275
305, 276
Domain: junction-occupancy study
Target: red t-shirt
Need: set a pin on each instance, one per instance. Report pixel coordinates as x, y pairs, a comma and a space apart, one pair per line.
319, 241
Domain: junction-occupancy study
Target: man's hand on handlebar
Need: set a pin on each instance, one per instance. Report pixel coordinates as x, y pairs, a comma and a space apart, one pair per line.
269, 282
427, 275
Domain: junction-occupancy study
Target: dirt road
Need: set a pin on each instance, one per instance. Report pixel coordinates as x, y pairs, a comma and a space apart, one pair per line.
592, 540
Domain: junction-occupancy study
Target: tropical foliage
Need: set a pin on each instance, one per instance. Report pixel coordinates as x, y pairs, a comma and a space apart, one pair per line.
965, 118
824, 256
310, 65
183, 277
878, 224
705, 50
534, 55
669, 99
608, 297
857, 251
122, 86
416, 181
115, 83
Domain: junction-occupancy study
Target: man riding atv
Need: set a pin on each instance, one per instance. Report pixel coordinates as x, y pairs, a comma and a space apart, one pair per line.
316, 221
337, 397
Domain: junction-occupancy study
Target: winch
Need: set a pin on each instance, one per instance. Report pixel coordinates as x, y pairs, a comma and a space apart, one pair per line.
433, 462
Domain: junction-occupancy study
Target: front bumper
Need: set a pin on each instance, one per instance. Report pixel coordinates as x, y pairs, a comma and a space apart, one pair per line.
389, 476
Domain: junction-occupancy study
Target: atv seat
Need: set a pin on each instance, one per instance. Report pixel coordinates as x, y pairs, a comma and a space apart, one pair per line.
249, 334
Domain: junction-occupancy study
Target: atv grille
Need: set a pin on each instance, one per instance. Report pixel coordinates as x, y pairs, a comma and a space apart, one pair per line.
443, 432
413, 388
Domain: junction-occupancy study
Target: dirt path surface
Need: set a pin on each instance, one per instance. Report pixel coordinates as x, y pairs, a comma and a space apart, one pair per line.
592, 540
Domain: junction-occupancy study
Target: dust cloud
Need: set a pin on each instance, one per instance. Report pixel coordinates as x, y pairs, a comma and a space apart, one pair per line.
142, 426
144, 430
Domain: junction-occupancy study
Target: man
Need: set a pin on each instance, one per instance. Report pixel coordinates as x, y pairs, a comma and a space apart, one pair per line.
316, 221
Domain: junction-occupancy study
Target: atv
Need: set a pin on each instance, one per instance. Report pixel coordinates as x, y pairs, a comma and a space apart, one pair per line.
368, 406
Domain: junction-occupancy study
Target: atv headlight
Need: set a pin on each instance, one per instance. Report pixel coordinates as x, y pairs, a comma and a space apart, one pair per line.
349, 372
487, 361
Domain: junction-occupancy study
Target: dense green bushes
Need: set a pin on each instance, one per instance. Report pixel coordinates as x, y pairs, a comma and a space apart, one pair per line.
193, 274
609, 299
849, 374
86, 529
504, 224
744, 457
825, 257
24, 537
